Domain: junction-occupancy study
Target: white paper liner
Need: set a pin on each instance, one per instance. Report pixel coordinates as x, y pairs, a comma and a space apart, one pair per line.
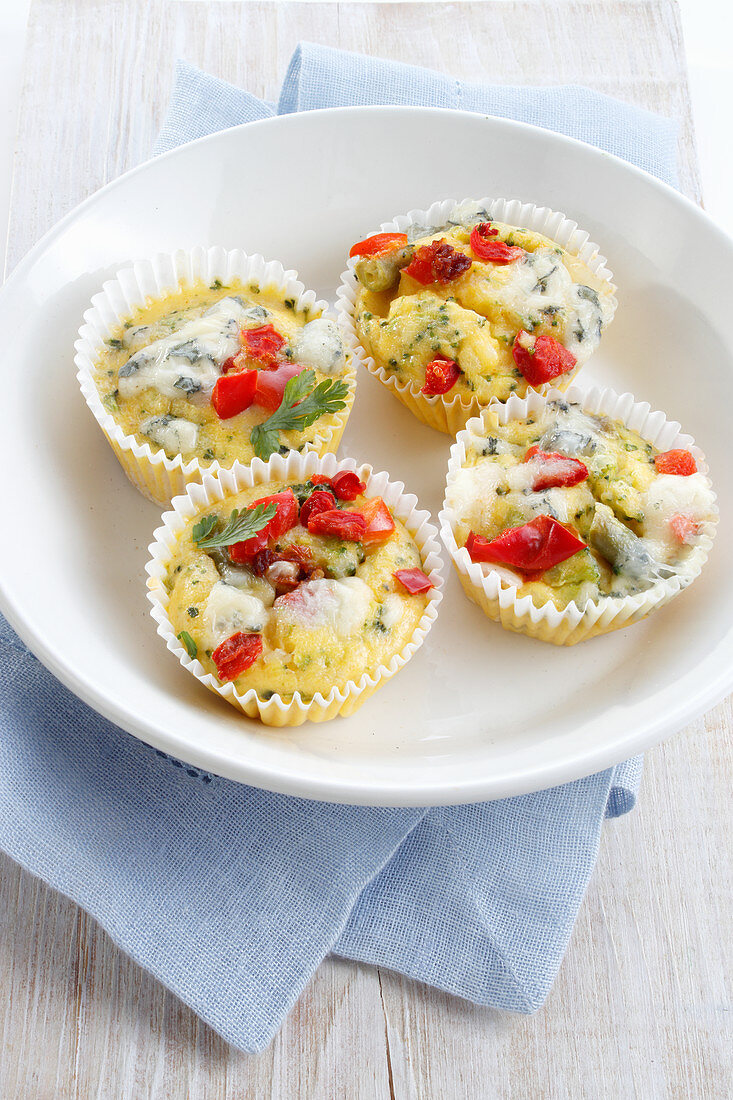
494, 588
158, 477
445, 413
296, 467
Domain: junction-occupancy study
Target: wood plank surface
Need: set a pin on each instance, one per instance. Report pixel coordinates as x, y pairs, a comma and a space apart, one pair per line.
641, 1005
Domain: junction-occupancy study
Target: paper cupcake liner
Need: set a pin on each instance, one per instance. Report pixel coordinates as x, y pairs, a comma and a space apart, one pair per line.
297, 467
494, 588
451, 415
158, 477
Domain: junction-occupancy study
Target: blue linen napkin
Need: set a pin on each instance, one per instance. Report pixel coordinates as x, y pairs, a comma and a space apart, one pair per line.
231, 896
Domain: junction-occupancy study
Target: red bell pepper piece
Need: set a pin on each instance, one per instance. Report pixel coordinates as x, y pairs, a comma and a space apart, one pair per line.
414, 580
233, 393
343, 524
441, 374
236, 655
494, 252
541, 358
379, 522
437, 262
320, 479
271, 384
263, 343
531, 548
553, 470
684, 527
319, 501
379, 244
681, 463
286, 516
347, 485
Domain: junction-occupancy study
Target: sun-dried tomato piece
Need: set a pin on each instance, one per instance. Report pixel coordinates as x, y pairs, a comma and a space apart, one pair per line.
263, 343
379, 522
437, 262
681, 463
339, 522
319, 501
541, 358
552, 470
379, 244
320, 479
441, 375
262, 560
684, 527
414, 580
233, 393
494, 252
347, 485
532, 548
236, 655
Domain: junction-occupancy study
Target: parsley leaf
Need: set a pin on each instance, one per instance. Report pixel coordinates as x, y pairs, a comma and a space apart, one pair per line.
191, 647
302, 404
241, 525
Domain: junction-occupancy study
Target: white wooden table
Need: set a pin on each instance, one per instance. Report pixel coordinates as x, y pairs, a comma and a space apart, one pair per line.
641, 1003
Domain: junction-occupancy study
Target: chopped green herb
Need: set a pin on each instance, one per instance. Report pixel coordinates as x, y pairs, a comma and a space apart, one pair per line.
110, 402
302, 404
116, 344
193, 612
216, 285
191, 647
209, 454
241, 525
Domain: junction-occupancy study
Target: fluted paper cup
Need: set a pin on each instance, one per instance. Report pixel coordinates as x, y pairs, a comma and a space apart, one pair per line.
495, 588
158, 477
295, 467
448, 413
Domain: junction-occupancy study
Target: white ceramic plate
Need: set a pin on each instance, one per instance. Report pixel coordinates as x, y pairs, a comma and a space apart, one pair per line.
479, 713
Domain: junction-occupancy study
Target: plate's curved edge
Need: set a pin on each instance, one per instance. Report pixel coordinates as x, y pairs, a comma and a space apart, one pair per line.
485, 788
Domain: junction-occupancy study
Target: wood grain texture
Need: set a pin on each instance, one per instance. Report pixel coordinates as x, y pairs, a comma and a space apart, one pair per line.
641, 1003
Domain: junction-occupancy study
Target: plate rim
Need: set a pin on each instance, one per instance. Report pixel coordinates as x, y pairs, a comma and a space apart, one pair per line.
287, 780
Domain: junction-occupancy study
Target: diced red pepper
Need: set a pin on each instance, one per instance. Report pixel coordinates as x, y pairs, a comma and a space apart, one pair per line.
441, 374
343, 524
437, 262
553, 470
231, 363
532, 548
541, 358
286, 512
494, 252
379, 522
320, 479
271, 384
263, 343
236, 655
319, 501
681, 463
684, 527
414, 580
286, 516
347, 485
233, 393
379, 244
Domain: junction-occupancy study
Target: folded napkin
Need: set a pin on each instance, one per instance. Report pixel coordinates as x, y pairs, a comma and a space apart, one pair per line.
230, 895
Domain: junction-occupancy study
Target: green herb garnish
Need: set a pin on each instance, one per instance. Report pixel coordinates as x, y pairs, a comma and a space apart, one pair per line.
302, 404
110, 402
242, 524
191, 647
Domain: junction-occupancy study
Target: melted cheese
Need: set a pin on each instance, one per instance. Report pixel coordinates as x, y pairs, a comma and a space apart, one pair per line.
188, 361
338, 606
174, 434
229, 610
319, 346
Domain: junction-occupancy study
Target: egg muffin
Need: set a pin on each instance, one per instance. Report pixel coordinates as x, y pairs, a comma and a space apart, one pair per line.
567, 509
476, 308
294, 595
213, 370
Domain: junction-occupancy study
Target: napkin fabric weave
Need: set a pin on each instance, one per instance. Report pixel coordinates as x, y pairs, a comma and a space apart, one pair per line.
231, 896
